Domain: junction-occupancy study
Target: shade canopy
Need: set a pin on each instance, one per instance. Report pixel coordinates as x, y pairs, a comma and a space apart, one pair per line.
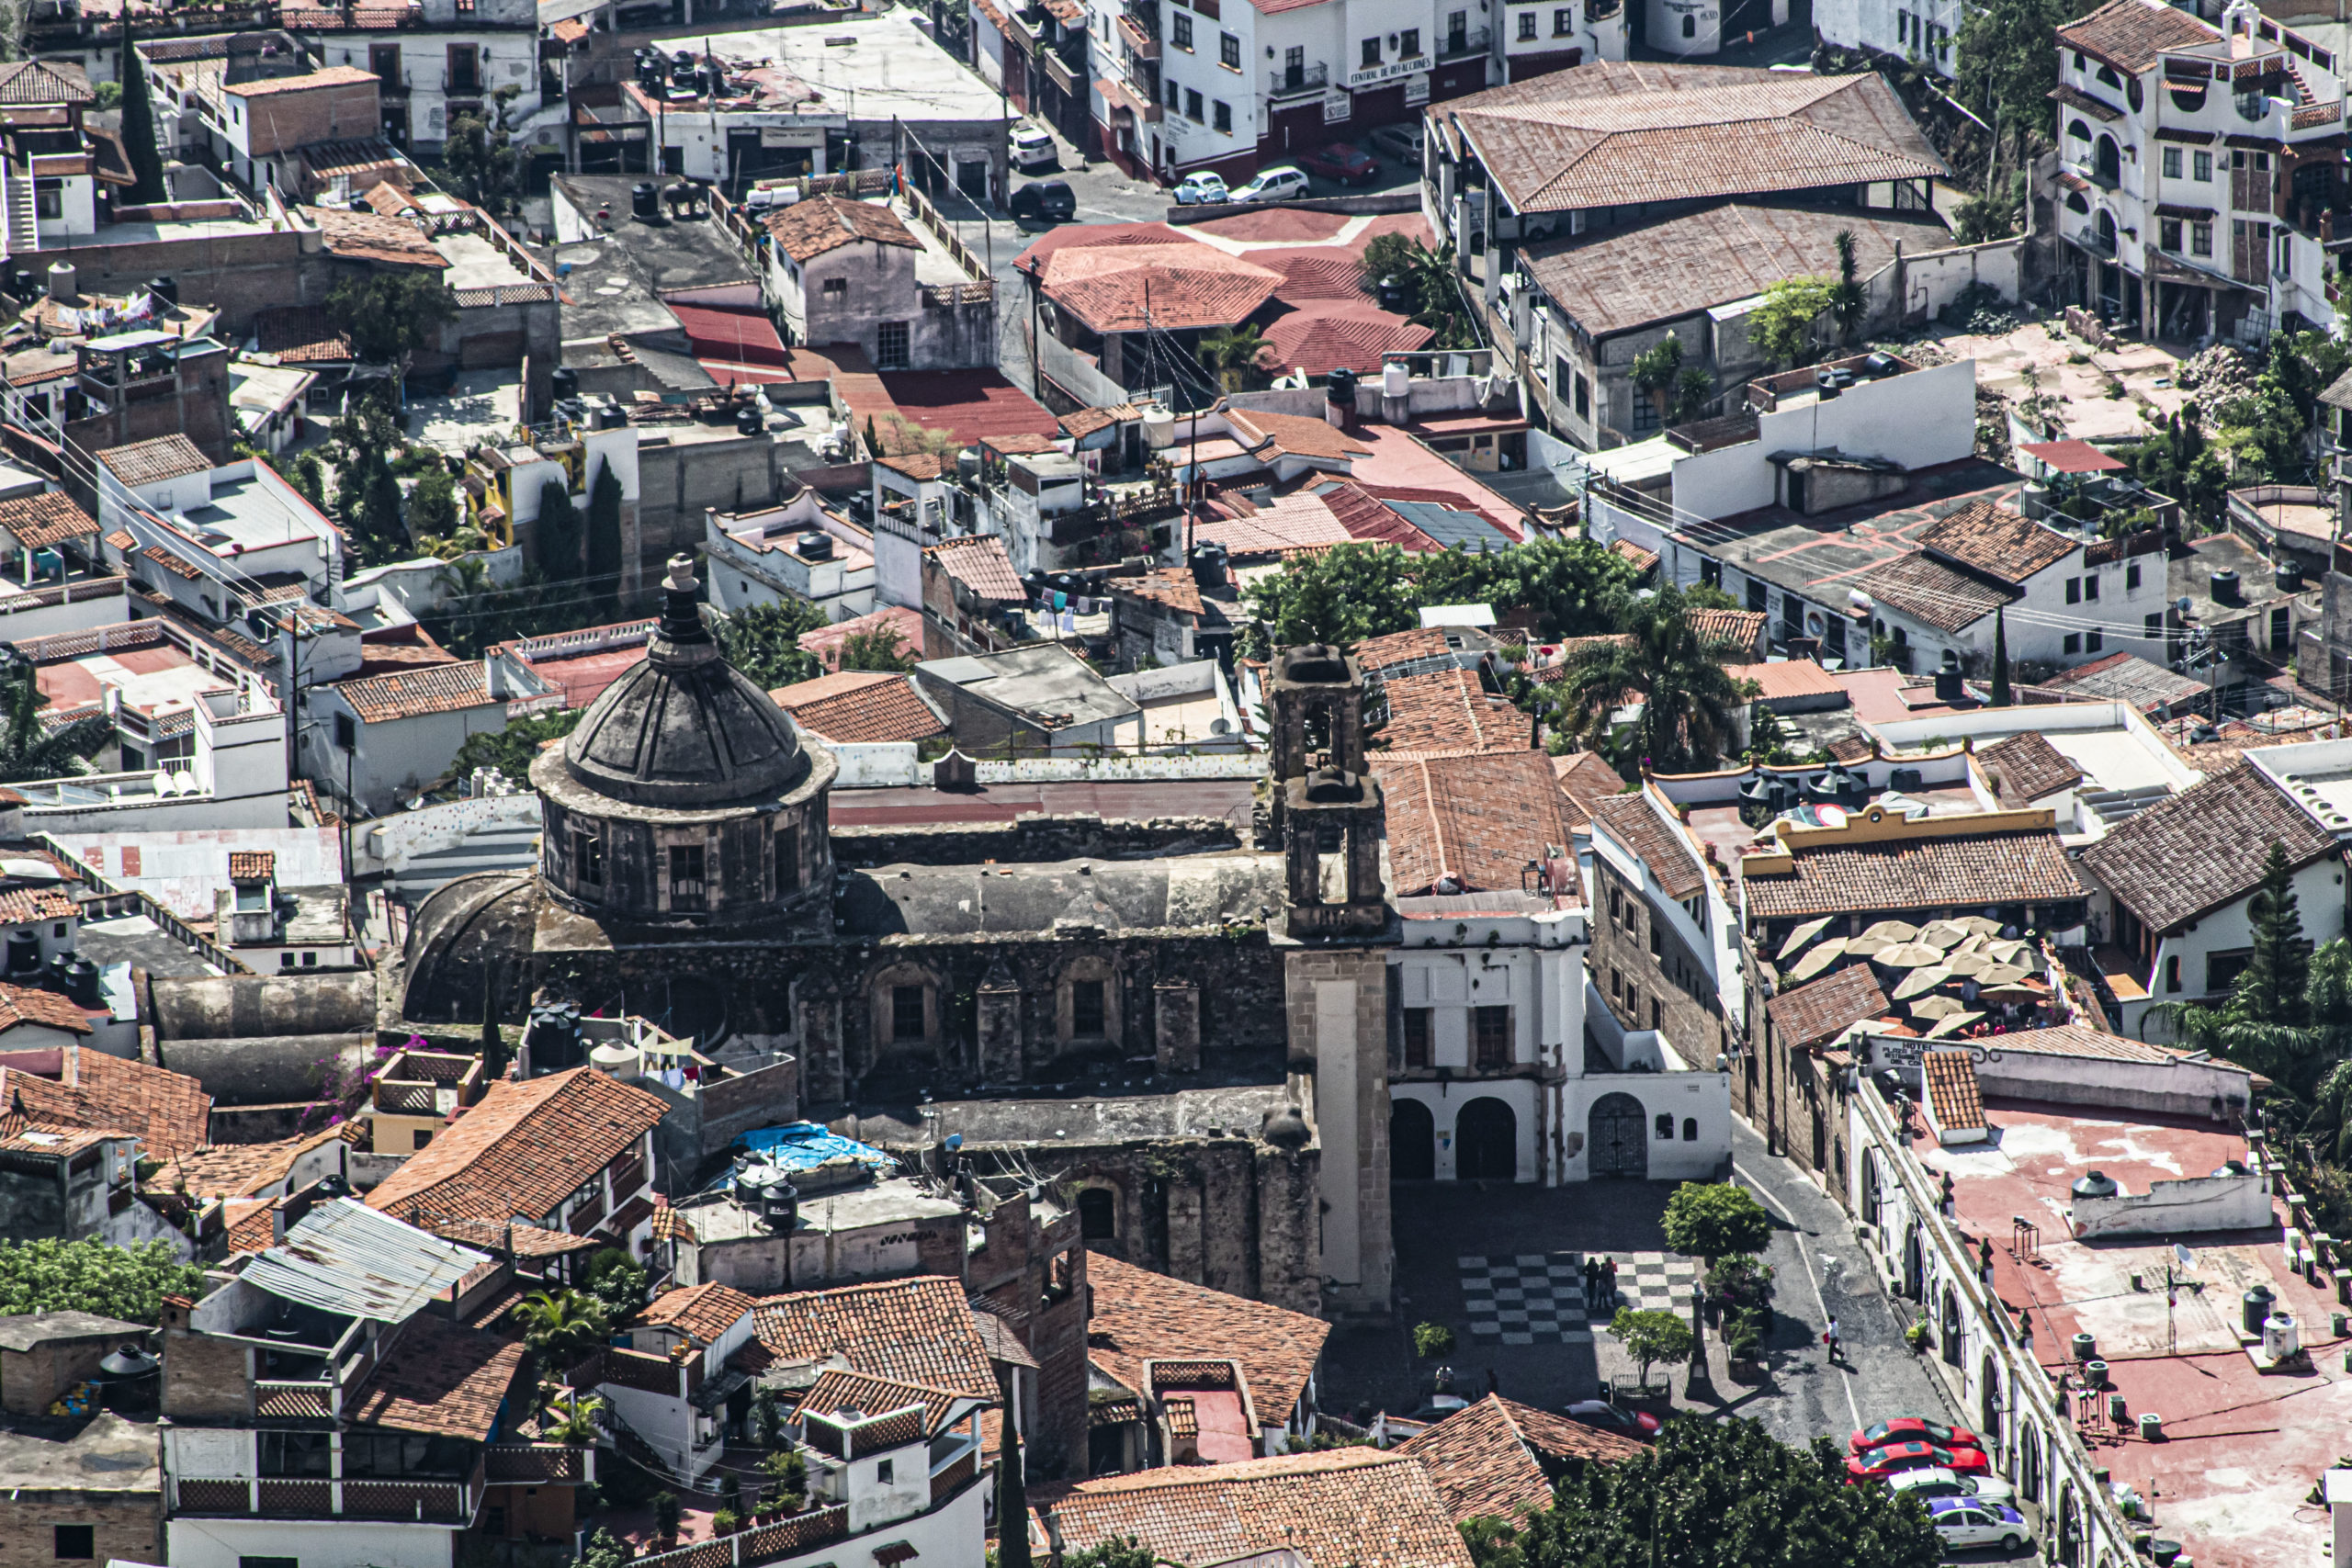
1818, 960
1919, 982
1937, 1006
1908, 956
1803, 935
1893, 931
1951, 1023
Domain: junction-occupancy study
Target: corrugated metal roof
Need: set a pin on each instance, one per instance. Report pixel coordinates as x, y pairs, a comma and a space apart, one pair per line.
346, 1257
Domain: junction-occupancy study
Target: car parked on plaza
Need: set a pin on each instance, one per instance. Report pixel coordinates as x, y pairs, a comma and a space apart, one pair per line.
1881, 1463
1274, 185
1201, 186
1402, 143
1343, 162
1964, 1522
1912, 1429
1599, 1412
1931, 1482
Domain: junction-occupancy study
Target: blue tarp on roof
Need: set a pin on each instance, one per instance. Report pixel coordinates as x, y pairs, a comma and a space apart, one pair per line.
802, 1145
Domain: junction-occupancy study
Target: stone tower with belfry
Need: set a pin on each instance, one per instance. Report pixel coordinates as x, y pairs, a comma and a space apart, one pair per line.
1336, 927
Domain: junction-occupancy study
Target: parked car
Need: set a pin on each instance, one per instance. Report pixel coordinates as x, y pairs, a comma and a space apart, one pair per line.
1879, 1463
1201, 186
1963, 1521
1912, 1429
1274, 185
1044, 202
1402, 143
1608, 1418
1032, 148
1342, 162
1931, 1482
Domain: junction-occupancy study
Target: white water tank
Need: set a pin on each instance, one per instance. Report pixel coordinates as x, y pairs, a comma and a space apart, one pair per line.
1159, 427
2280, 1340
620, 1061
62, 280
1396, 380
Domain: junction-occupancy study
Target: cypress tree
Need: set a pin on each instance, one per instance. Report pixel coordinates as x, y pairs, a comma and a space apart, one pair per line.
2271, 988
2002, 696
604, 532
1011, 1500
138, 127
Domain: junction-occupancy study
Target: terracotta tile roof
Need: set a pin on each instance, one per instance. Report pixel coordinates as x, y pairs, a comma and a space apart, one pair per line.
35, 366
825, 642
703, 1313
1086, 422
302, 334
1301, 436
1173, 589
857, 706
1585, 778
2127, 678
441, 1379
2203, 847
37, 522
252, 865
1484, 1460
169, 562
527, 1241
372, 237
1142, 1317
145, 462
916, 1330
1391, 648
427, 688
1635, 823
1997, 540
332, 77
808, 228
1004, 1345
1824, 1008
1926, 590
1472, 819
522, 1150
1299, 521
26, 1004
1344, 1506
978, 561
838, 1391
236, 1171
572, 29
1447, 710
2081, 1040
1783, 679
45, 81
167, 1111
1962, 870
1326, 335
2028, 767
1102, 273
251, 1226
2129, 34
1619, 279
23, 905
916, 465
1620, 133
121, 540
1953, 1096
1632, 553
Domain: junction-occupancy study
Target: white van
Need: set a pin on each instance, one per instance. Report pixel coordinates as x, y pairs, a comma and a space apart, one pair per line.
1032, 148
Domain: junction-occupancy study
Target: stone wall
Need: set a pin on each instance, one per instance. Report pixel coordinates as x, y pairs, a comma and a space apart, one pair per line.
1650, 978
124, 1526
1078, 836
1336, 1007
204, 1379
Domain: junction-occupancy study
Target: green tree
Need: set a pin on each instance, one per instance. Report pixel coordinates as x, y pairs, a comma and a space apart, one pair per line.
2002, 696
1689, 706
1012, 1501
432, 504
512, 749
139, 130
482, 159
562, 1325
1782, 323
1653, 1338
310, 477
28, 749
1116, 1553
1571, 586
1847, 302
604, 531
1716, 1494
94, 1276
573, 1419
763, 642
606, 1549
1232, 356
1433, 293
883, 648
1678, 392
1716, 1219
665, 1514
616, 1281
391, 315
555, 537
2270, 988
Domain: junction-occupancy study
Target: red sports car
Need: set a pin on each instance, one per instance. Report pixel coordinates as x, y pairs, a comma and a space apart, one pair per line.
1346, 163
1913, 1429
1888, 1458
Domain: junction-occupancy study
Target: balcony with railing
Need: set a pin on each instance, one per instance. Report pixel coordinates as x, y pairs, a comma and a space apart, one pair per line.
449, 1500
1299, 79
1470, 40
1140, 34
2095, 241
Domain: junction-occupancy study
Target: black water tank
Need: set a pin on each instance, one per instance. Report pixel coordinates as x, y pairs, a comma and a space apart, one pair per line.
749, 420
1950, 687
2224, 586
1208, 566
564, 383
24, 953
645, 200
1341, 388
167, 289
81, 984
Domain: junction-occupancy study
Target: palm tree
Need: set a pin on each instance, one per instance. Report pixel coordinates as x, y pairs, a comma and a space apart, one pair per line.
1848, 302
1690, 706
464, 587
28, 751
562, 1325
1232, 356
572, 1420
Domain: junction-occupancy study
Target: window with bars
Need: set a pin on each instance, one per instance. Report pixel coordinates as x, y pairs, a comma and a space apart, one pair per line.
891, 347
1088, 1011
687, 890
1492, 1030
906, 1012
1417, 1037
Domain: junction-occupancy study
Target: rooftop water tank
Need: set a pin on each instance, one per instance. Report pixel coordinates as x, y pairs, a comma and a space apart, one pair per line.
619, 1061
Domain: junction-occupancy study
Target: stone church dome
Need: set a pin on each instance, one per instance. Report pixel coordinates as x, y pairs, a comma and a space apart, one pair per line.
684, 727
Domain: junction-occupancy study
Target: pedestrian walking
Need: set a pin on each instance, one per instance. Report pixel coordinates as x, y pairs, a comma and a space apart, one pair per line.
1829, 1338
1591, 1284
1609, 1284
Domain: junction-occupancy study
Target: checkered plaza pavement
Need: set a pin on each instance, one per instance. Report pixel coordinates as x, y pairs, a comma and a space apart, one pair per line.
1538, 1298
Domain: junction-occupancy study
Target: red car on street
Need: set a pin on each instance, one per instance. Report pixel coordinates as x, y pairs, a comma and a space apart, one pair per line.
1343, 162
1913, 1429
1887, 1458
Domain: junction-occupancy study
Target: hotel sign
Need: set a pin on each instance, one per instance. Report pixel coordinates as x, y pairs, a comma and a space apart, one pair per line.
1416, 66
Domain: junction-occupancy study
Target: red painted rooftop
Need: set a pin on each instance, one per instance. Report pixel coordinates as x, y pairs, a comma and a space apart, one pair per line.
2241, 1448
971, 403
1228, 798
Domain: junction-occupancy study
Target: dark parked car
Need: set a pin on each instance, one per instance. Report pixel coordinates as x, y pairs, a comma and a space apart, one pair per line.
1637, 1424
1044, 202
1402, 143
1347, 164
